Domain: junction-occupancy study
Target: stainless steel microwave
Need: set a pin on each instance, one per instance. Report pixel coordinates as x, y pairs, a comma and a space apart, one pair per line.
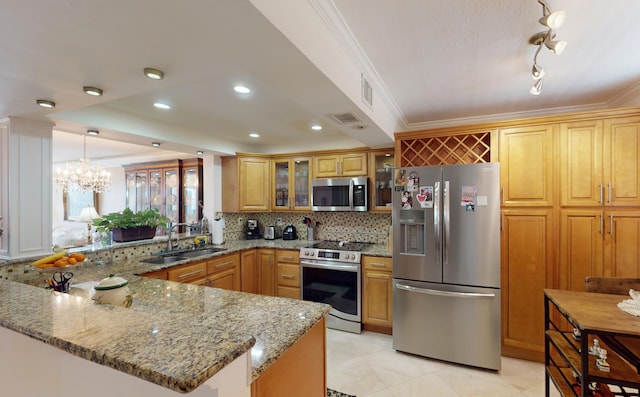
340, 194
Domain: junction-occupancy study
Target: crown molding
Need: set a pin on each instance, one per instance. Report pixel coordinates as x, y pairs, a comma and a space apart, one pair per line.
332, 18
491, 118
627, 97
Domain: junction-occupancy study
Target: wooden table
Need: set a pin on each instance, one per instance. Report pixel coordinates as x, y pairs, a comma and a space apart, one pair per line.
595, 316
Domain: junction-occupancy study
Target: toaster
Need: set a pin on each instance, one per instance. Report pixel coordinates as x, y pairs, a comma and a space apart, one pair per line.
272, 232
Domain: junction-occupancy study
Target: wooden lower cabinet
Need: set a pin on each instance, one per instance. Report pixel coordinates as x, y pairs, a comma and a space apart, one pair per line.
219, 272
189, 273
224, 272
622, 243
527, 261
377, 294
300, 371
288, 273
158, 274
266, 272
249, 271
581, 247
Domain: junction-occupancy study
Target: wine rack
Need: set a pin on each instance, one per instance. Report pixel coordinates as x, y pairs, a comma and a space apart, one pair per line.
444, 150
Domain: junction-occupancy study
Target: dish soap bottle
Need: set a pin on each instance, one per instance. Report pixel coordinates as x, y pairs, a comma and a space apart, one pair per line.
204, 225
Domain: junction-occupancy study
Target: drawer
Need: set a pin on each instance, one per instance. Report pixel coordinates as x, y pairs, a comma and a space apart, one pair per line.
377, 263
288, 256
289, 292
188, 273
288, 275
222, 263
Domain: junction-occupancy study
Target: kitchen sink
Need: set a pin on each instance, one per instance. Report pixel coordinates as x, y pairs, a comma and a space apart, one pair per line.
162, 259
178, 255
200, 252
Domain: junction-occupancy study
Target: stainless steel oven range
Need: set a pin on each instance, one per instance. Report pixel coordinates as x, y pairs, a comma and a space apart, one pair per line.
330, 273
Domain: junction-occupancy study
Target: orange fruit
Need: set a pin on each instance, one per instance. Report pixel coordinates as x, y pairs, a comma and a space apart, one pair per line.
78, 256
62, 262
44, 265
72, 261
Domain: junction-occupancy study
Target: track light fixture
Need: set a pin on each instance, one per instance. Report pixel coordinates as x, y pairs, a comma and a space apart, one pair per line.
536, 89
552, 20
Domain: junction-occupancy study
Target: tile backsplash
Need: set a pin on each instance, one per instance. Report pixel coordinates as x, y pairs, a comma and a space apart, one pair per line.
350, 226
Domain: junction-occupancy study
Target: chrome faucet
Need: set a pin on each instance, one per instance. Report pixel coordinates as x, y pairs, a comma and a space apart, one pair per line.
170, 245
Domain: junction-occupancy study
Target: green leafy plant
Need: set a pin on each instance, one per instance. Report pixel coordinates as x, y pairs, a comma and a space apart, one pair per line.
128, 219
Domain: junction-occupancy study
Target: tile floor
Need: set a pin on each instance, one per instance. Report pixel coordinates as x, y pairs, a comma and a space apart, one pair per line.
367, 366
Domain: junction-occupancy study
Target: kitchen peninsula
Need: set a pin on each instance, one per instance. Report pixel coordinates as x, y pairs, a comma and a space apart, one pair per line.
180, 338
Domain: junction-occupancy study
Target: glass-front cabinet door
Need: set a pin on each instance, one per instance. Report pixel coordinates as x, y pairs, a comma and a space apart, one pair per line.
381, 172
172, 194
192, 191
301, 184
281, 184
142, 192
130, 190
291, 184
155, 191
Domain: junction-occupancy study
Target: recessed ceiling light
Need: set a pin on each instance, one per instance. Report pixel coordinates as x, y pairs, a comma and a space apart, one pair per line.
92, 91
155, 144
93, 132
162, 106
316, 127
241, 89
154, 74
199, 152
254, 135
45, 103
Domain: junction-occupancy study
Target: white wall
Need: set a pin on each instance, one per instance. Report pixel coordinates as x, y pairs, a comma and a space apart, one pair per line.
115, 199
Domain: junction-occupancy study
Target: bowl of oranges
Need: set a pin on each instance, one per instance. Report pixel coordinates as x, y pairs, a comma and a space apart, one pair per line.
59, 260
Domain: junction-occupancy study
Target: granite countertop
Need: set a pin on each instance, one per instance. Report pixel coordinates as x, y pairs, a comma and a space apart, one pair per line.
175, 335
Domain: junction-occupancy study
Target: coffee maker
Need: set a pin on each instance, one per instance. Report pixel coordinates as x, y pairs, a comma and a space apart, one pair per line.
251, 231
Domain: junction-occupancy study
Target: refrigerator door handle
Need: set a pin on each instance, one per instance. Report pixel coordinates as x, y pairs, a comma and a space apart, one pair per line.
446, 229
444, 293
436, 222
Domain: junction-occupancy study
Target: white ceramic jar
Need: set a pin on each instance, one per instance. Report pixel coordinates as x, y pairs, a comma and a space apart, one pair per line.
113, 290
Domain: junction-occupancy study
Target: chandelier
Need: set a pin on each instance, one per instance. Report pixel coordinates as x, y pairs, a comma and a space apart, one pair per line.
81, 176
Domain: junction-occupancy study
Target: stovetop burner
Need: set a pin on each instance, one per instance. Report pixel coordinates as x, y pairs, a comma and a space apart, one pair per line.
339, 245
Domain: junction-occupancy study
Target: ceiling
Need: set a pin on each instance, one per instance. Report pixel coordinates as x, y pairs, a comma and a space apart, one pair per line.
430, 64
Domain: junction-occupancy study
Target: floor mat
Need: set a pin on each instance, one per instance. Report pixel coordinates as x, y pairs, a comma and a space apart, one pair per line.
333, 393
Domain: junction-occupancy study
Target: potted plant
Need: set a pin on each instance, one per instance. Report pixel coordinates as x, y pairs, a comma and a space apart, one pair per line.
130, 226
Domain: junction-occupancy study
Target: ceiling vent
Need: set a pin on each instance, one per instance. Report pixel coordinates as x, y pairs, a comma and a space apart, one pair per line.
345, 118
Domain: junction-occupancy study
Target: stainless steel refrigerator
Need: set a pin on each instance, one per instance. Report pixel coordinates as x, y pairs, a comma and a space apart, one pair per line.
446, 263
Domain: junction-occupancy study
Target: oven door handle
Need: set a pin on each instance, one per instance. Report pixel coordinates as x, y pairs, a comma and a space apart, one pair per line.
332, 266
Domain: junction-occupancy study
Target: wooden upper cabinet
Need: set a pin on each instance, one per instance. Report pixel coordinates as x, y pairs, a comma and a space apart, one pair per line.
526, 161
581, 175
381, 163
245, 183
291, 184
621, 159
600, 163
340, 165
